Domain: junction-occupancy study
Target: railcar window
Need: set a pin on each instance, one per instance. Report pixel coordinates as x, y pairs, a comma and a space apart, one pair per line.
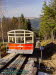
19, 31
27, 32
19, 34
11, 34
28, 39
12, 39
20, 40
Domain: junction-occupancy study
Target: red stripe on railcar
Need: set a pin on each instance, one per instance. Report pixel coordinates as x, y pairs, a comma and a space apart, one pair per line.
21, 46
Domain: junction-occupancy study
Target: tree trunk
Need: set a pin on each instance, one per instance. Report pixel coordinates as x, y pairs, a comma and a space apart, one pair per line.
45, 37
52, 35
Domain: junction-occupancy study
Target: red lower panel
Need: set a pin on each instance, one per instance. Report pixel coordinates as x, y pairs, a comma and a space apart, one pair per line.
21, 46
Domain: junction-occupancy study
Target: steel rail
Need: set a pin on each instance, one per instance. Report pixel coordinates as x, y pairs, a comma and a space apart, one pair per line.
7, 60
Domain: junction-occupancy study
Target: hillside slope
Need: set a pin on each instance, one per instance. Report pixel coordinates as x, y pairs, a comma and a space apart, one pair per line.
35, 22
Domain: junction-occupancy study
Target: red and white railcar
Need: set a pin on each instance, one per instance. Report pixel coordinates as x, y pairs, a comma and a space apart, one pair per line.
20, 41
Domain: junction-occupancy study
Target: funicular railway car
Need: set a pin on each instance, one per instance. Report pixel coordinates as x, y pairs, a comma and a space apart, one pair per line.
20, 41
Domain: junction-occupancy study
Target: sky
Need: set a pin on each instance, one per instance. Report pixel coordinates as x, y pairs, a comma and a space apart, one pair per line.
30, 8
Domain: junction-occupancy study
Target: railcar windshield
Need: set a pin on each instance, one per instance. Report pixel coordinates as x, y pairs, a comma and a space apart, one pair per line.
20, 40
21, 36
12, 39
28, 39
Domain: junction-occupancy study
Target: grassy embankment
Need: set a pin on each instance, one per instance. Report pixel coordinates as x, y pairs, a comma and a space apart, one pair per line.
3, 49
49, 54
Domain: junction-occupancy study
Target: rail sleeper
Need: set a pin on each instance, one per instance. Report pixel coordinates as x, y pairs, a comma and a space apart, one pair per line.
6, 59
29, 68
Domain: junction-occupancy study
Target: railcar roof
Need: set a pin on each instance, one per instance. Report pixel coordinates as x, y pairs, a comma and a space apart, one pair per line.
12, 31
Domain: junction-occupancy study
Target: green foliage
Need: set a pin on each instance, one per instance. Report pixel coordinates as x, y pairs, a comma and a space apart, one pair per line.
36, 32
22, 20
1, 44
24, 24
48, 20
14, 22
45, 42
29, 24
4, 23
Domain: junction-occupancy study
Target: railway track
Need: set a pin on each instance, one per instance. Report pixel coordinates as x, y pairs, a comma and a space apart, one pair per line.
7, 60
14, 66
22, 65
29, 68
